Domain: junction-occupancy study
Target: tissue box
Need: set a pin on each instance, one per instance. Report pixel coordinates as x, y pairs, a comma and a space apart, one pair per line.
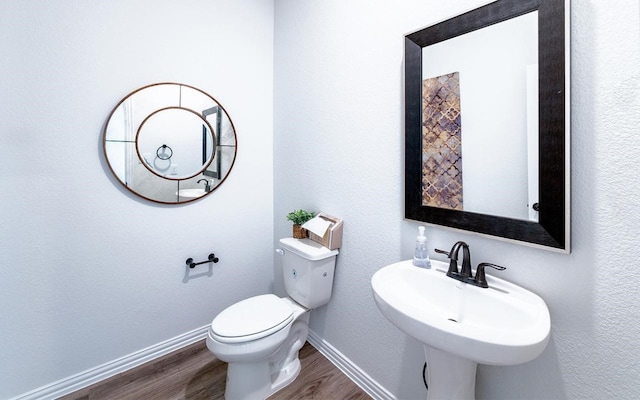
332, 238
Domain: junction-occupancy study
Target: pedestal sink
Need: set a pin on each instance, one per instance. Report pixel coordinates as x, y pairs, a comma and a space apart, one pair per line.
461, 325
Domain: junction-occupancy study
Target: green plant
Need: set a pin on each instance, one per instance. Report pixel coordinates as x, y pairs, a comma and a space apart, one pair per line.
299, 217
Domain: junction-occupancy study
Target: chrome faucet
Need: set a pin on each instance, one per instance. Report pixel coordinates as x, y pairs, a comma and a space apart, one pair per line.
465, 275
207, 185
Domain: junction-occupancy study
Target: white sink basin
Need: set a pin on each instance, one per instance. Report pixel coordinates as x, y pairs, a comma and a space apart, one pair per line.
502, 325
191, 193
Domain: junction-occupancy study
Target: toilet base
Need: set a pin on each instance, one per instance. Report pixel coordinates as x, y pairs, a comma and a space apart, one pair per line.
260, 379
253, 380
285, 376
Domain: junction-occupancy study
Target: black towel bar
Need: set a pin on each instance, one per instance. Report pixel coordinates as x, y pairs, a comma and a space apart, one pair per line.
212, 258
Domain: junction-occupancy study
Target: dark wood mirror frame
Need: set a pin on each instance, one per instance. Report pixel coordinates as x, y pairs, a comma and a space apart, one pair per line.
552, 229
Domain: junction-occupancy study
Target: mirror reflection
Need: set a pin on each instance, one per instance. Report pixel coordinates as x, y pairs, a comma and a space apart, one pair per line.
170, 143
479, 91
175, 143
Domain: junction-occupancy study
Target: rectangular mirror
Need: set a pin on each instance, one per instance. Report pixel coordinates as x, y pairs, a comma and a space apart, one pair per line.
487, 122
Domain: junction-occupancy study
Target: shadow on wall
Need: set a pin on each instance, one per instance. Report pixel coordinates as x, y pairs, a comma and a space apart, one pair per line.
546, 382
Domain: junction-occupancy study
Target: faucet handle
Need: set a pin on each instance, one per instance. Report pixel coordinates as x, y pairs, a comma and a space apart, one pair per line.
481, 279
446, 253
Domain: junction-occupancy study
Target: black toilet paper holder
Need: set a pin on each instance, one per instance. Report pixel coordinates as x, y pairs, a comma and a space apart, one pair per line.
212, 258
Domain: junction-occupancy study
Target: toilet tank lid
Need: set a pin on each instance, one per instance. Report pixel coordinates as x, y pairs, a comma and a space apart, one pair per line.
307, 248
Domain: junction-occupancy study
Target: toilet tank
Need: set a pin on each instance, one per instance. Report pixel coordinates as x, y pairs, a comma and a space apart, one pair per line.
308, 269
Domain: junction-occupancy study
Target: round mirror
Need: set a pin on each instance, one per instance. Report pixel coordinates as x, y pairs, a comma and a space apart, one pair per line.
169, 143
192, 143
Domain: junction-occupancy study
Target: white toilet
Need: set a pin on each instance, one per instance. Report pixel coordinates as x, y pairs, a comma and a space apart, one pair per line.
260, 337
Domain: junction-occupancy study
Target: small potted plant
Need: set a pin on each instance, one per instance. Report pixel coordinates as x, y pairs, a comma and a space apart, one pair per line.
299, 217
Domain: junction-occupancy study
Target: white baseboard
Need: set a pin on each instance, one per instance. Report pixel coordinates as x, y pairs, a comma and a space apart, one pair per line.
99, 373
358, 376
94, 375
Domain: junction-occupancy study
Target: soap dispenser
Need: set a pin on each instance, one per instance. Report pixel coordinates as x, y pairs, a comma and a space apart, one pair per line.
421, 254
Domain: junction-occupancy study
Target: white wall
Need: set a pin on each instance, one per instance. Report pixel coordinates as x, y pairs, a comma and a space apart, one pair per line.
88, 272
339, 149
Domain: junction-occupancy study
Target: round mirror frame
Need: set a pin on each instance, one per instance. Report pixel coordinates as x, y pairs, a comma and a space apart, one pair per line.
163, 188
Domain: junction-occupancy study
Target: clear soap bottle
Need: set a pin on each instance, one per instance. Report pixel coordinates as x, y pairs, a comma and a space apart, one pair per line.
421, 254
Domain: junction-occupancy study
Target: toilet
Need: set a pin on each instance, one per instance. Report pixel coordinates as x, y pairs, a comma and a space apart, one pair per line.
259, 337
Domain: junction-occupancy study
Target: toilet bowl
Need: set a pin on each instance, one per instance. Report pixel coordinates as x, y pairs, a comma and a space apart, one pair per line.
259, 337
262, 348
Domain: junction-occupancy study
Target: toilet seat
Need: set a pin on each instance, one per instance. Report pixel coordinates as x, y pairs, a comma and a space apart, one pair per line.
252, 319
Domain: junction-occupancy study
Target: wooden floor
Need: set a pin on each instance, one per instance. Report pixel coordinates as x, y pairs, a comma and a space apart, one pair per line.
193, 373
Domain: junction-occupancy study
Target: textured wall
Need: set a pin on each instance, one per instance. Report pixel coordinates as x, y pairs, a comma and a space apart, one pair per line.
338, 148
89, 273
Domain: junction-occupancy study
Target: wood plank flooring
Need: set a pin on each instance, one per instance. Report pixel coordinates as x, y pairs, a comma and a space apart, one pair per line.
193, 373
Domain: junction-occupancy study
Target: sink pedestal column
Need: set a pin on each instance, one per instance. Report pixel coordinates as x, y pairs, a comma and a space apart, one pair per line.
449, 377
